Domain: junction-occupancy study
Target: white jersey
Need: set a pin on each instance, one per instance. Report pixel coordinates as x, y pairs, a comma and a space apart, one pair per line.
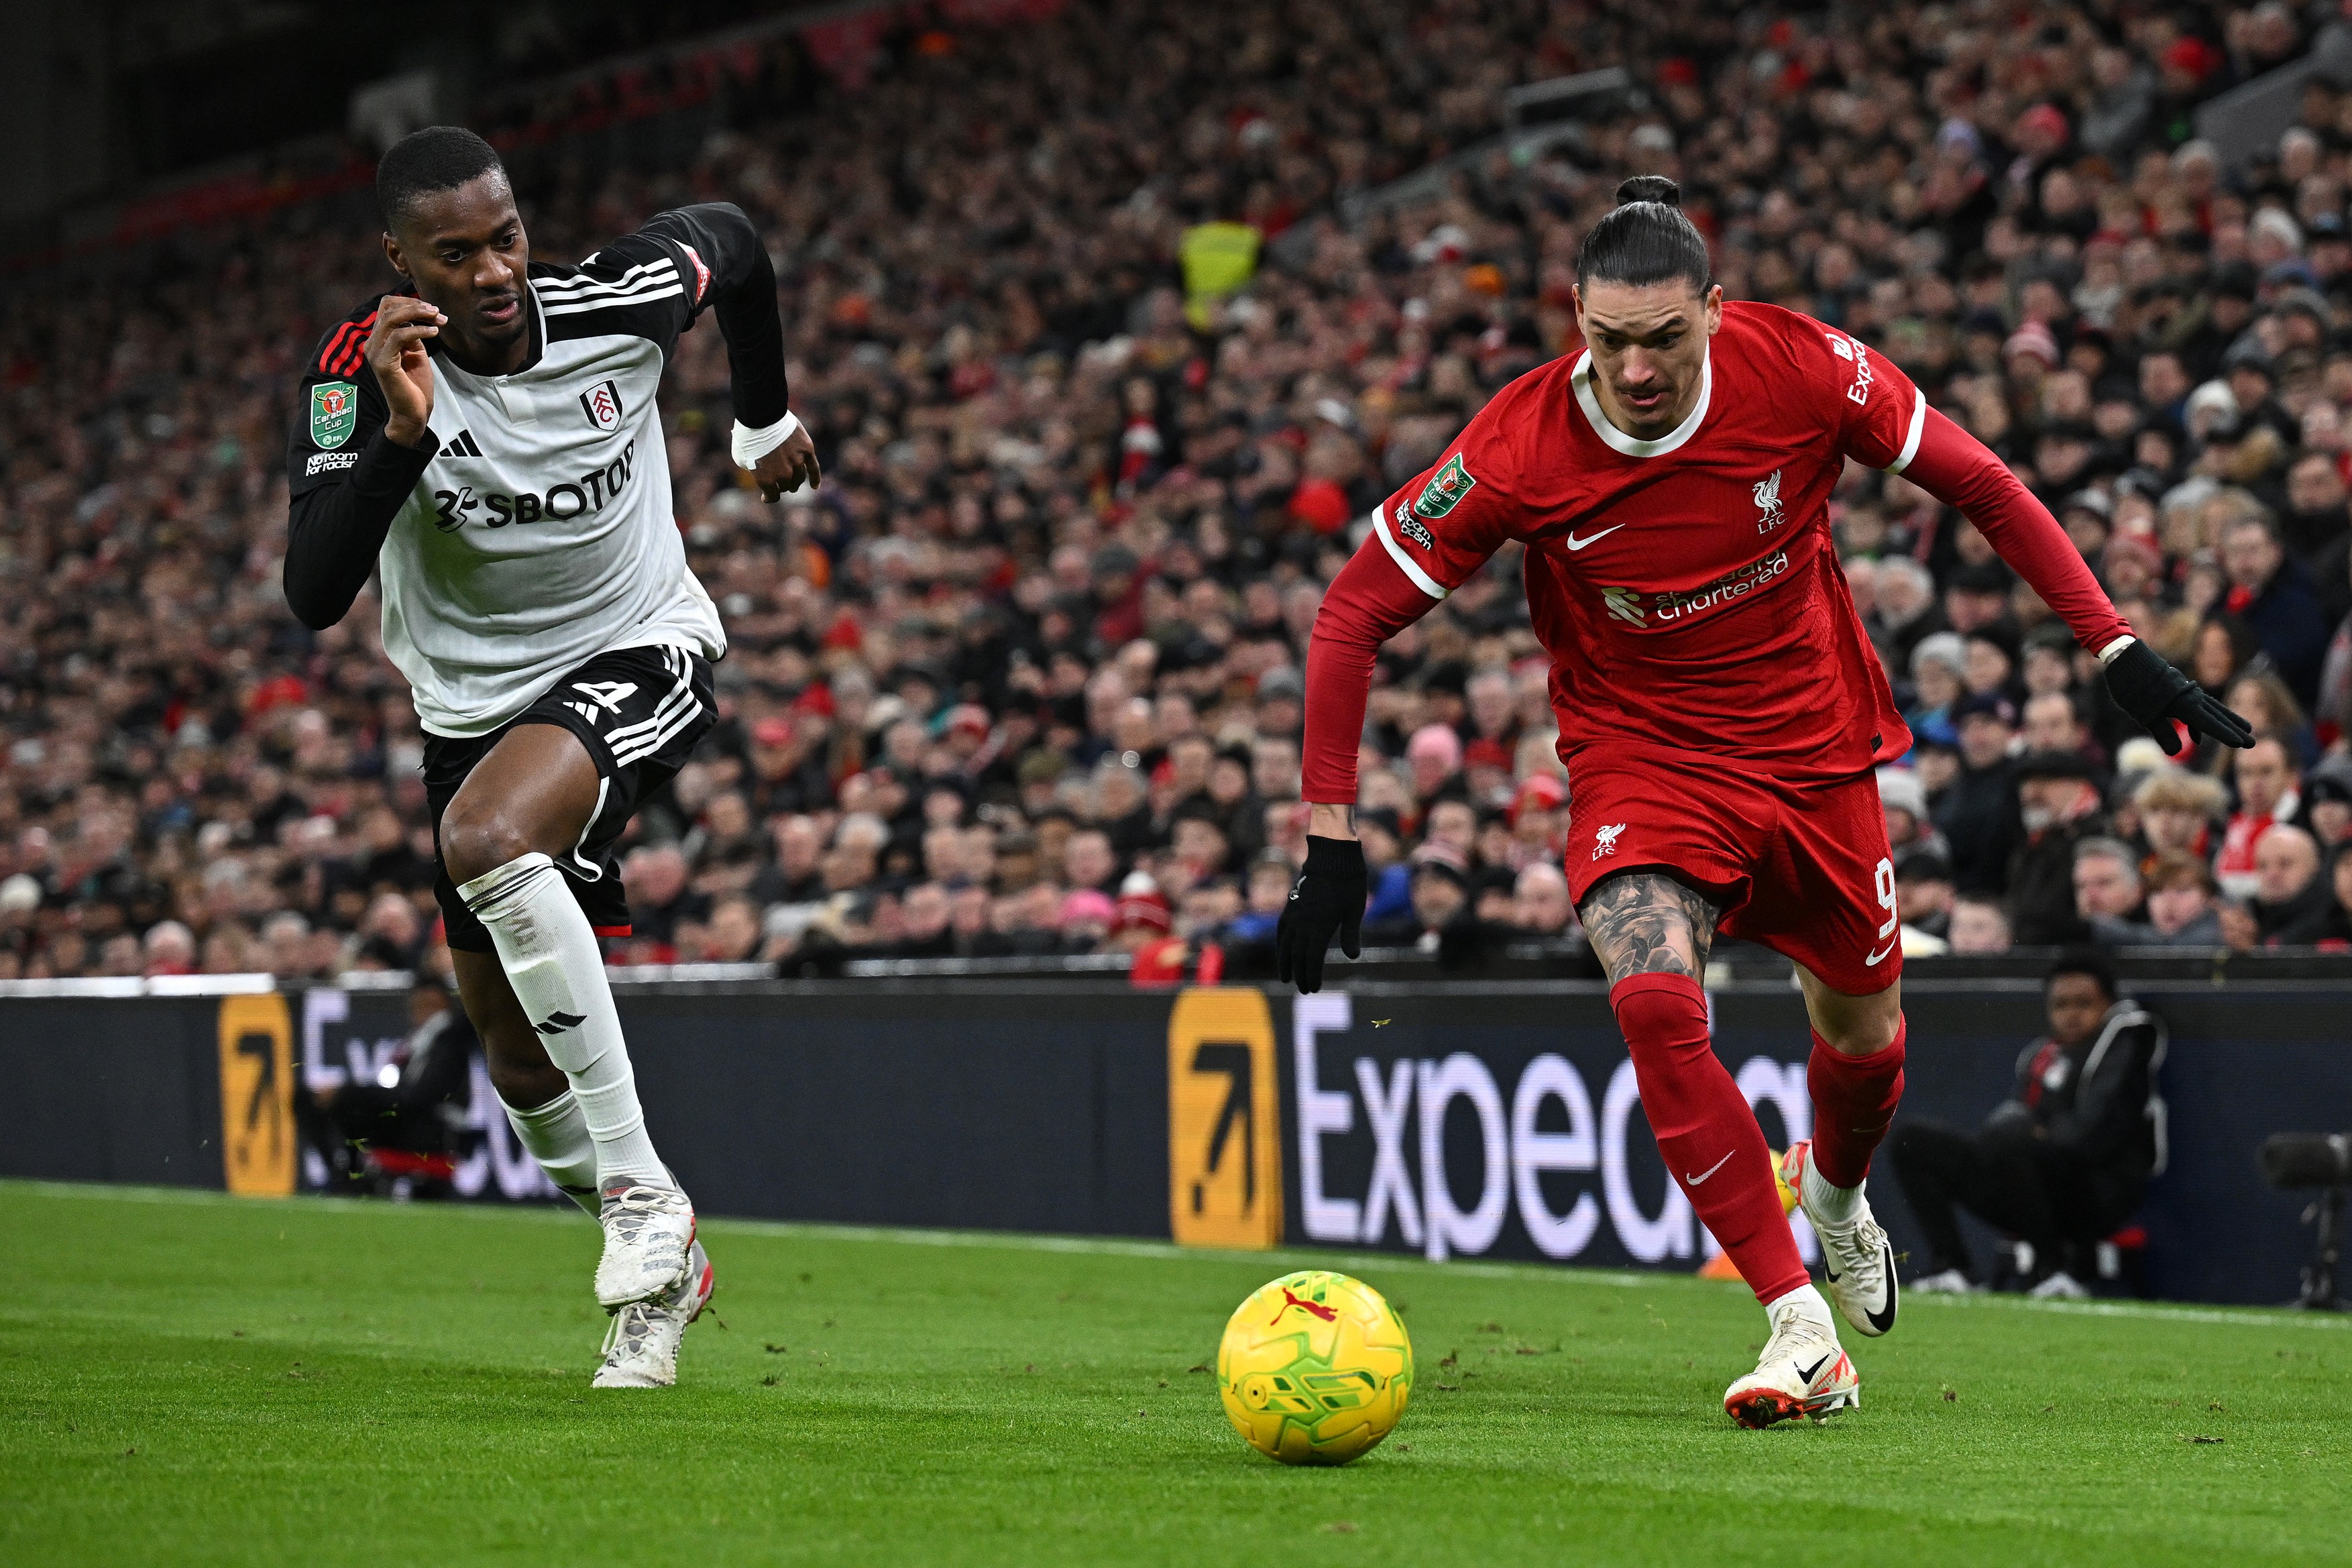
541, 533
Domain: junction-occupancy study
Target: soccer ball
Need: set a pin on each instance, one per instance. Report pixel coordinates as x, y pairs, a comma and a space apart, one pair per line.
1314, 1369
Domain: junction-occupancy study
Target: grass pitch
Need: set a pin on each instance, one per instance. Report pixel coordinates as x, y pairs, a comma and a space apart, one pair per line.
194, 1379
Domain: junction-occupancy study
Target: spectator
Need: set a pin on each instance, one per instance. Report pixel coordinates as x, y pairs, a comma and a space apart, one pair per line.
1977, 813
2178, 812
2182, 908
1923, 893
660, 900
2329, 927
2327, 792
2274, 596
2108, 897
2052, 724
2267, 795
1979, 926
2289, 892
1904, 801
1540, 904
170, 948
2058, 809
2063, 1161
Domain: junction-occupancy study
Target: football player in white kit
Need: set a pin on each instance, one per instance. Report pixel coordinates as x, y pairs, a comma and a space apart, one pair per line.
490, 437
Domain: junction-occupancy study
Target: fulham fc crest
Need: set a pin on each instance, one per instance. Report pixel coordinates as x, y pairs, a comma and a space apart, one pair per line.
602, 404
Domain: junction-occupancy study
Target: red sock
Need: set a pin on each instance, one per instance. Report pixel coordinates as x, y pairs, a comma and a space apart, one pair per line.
1712, 1145
1853, 1100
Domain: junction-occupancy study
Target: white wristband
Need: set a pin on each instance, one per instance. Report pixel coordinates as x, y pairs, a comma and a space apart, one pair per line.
750, 446
2107, 654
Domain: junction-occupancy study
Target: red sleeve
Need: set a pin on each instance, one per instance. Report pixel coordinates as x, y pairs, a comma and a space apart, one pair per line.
1955, 469
1425, 542
1368, 603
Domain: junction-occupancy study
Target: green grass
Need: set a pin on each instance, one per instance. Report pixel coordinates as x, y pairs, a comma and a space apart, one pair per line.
196, 1379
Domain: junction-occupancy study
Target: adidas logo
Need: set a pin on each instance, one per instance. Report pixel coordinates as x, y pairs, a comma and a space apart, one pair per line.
462, 446
557, 1022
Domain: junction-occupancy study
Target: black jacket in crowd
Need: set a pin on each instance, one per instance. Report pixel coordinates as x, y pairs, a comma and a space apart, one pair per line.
2097, 1104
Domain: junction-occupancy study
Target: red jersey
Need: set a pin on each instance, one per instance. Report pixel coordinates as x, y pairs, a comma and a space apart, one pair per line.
1687, 588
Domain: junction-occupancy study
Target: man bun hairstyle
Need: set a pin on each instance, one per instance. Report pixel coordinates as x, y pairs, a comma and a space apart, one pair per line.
437, 158
1646, 239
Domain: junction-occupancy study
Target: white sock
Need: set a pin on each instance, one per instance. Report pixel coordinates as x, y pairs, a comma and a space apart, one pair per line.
556, 1135
549, 954
1833, 1205
1808, 1298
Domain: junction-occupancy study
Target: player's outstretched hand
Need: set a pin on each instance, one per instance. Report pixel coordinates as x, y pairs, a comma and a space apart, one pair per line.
1327, 899
396, 351
2145, 686
789, 467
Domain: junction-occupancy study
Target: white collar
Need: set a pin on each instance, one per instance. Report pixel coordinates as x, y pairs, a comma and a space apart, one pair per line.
1581, 378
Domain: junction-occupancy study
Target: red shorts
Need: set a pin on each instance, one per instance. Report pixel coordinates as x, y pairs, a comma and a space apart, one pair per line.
1801, 869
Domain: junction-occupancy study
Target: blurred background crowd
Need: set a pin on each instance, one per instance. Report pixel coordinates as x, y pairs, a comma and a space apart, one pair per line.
1104, 386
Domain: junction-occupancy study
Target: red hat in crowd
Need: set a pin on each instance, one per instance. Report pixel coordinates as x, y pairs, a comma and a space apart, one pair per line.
1141, 903
816, 699
969, 716
772, 732
1541, 791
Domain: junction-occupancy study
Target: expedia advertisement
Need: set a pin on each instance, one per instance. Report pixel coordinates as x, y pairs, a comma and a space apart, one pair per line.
1504, 1121
1453, 1121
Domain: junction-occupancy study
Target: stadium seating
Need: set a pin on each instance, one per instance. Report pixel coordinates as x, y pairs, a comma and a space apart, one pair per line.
1102, 381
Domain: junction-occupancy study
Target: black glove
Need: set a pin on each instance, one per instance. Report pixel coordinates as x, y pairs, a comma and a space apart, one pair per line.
2147, 687
1327, 897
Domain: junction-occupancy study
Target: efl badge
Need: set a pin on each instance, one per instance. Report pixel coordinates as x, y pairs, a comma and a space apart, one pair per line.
602, 404
1446, 489
334, 412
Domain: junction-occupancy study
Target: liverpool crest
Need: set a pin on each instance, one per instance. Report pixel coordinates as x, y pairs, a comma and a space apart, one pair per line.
1767, 501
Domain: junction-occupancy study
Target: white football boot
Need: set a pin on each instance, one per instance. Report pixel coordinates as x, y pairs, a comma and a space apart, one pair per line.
1856, 1257
641, 1349
648, 1233
1803, 1372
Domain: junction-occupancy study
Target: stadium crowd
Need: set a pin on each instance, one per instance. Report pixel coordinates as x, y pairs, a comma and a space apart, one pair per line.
1103, 389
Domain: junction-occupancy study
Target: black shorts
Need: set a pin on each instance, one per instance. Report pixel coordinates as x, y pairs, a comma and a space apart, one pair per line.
640, 711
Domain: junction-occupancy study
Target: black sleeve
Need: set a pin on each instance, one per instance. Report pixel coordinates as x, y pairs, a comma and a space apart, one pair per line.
2111, 1102
346, 478
732, 274
334, 533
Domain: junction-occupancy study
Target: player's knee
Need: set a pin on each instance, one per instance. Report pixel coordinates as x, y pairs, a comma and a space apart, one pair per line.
1660, 1017
476, 839
1863, 1031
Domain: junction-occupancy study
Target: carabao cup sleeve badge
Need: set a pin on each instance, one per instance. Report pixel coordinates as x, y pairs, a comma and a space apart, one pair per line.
1446, 489
334, 412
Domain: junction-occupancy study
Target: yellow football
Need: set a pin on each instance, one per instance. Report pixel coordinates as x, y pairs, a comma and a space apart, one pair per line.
1314, 1369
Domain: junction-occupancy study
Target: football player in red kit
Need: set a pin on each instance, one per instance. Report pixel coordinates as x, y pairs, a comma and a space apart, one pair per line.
1720, 712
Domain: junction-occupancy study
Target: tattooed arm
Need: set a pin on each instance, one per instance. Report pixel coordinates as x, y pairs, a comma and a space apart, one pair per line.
1644, 922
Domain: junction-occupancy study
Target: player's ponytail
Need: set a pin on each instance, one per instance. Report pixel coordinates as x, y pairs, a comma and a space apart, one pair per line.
1647, 239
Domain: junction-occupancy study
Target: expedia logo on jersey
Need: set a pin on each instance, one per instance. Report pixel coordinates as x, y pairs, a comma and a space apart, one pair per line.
1846, 348
592, 492
1446, 489
1656, 610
